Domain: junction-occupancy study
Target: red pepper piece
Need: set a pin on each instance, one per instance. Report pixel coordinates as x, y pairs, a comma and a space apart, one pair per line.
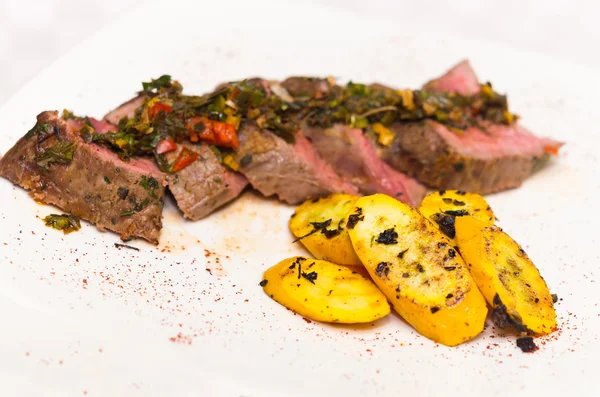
165, 146
214, 132
185, 158
157, 108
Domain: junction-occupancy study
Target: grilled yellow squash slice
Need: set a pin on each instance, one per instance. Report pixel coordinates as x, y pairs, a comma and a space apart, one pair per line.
417, 268
445, 206
506, 276
323, 291
321, 226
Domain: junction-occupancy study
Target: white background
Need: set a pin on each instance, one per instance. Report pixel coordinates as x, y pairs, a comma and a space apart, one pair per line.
33, 33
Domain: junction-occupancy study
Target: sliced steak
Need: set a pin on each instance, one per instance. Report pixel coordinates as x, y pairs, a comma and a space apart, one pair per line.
86, 180
461, 78
354, 156
205, 185
126, 109
292, 172
201, 187
485, 159
500, 158
312, 87
350, 153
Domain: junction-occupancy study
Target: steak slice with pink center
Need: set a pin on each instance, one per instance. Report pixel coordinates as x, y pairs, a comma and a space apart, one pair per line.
203, 186
485, 159
126, 109
350, 153
461, 78
354, 156
87, 180
292, 172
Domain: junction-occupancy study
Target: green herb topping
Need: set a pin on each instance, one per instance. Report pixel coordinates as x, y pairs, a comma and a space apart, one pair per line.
41, 130
154, 86
150, 184
281, 108
60, 153
67, 223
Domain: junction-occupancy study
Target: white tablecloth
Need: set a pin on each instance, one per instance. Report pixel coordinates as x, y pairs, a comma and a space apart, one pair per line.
33, 33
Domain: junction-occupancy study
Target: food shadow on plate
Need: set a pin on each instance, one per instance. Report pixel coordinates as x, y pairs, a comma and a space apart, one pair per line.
392, 320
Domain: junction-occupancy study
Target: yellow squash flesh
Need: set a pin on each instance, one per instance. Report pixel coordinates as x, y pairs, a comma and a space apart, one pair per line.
416, 267
506, 276
437, 205
329, 245
324, 291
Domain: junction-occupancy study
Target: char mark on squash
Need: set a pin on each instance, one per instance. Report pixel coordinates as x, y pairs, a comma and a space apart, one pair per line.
388, 237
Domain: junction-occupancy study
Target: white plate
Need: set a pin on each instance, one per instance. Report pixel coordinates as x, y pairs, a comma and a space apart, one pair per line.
82, 317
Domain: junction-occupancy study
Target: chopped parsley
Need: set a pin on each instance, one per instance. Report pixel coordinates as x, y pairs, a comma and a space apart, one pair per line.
446, 224
67, 223
312, 276
167, 113
388, 237
43, 130
150, 184
61, 153
155, 85
355, 218
322, 227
